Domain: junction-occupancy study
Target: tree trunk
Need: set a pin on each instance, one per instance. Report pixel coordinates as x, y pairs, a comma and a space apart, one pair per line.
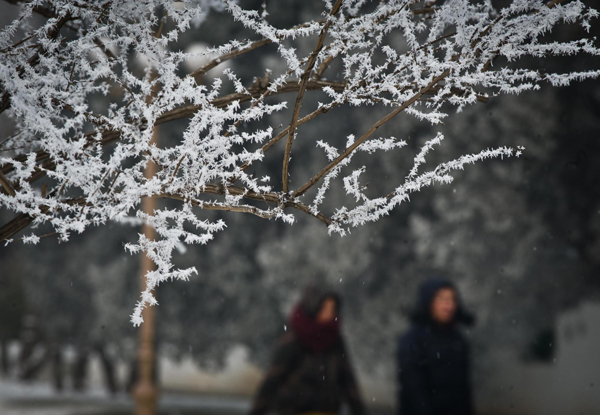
57, 367
30, 368
80, 370
4, 360
27, 346
145, 392
109, 370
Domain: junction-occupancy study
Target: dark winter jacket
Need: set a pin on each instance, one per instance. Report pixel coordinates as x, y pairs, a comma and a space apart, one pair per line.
433, 362
305, 376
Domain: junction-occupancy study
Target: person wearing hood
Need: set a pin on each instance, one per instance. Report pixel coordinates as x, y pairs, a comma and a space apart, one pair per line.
433, 355
311, 371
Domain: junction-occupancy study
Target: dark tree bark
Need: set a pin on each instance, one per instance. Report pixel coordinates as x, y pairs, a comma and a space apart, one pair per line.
133, 374
109, 370
80, 369
30, 367
57, 367
4, 359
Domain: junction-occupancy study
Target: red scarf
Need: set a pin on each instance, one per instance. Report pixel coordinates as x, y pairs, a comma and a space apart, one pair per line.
318, 337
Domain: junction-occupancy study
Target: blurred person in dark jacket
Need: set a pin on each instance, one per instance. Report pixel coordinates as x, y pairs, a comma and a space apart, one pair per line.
433, 355
311, 371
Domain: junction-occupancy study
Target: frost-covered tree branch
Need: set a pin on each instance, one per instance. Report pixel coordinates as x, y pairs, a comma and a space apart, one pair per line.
86, 86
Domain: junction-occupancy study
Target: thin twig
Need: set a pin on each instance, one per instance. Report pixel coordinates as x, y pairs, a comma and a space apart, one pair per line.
303, 83
235, 53
35, 59
6, 185
185, 111
319, 111
366, 135
216, 206
40, 237
20, 42
70, 77
323, 66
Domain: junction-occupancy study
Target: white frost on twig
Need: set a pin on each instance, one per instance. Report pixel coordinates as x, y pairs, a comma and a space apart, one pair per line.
447, 58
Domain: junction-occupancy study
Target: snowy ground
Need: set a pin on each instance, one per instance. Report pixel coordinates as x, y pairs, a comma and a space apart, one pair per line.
40, 399
187, 390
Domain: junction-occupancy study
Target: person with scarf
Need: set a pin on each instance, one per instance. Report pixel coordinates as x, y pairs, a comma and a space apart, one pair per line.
311, 372
433, 355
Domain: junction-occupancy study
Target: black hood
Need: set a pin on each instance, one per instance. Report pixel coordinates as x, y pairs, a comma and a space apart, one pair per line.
422, 312
314, 295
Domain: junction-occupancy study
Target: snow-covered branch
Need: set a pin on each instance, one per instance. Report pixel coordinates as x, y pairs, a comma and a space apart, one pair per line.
87, 88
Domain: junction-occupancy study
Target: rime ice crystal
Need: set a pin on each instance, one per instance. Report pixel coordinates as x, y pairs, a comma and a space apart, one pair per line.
96, 159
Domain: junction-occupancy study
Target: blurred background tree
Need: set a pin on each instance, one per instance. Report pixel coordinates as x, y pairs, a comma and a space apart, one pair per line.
521, 238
